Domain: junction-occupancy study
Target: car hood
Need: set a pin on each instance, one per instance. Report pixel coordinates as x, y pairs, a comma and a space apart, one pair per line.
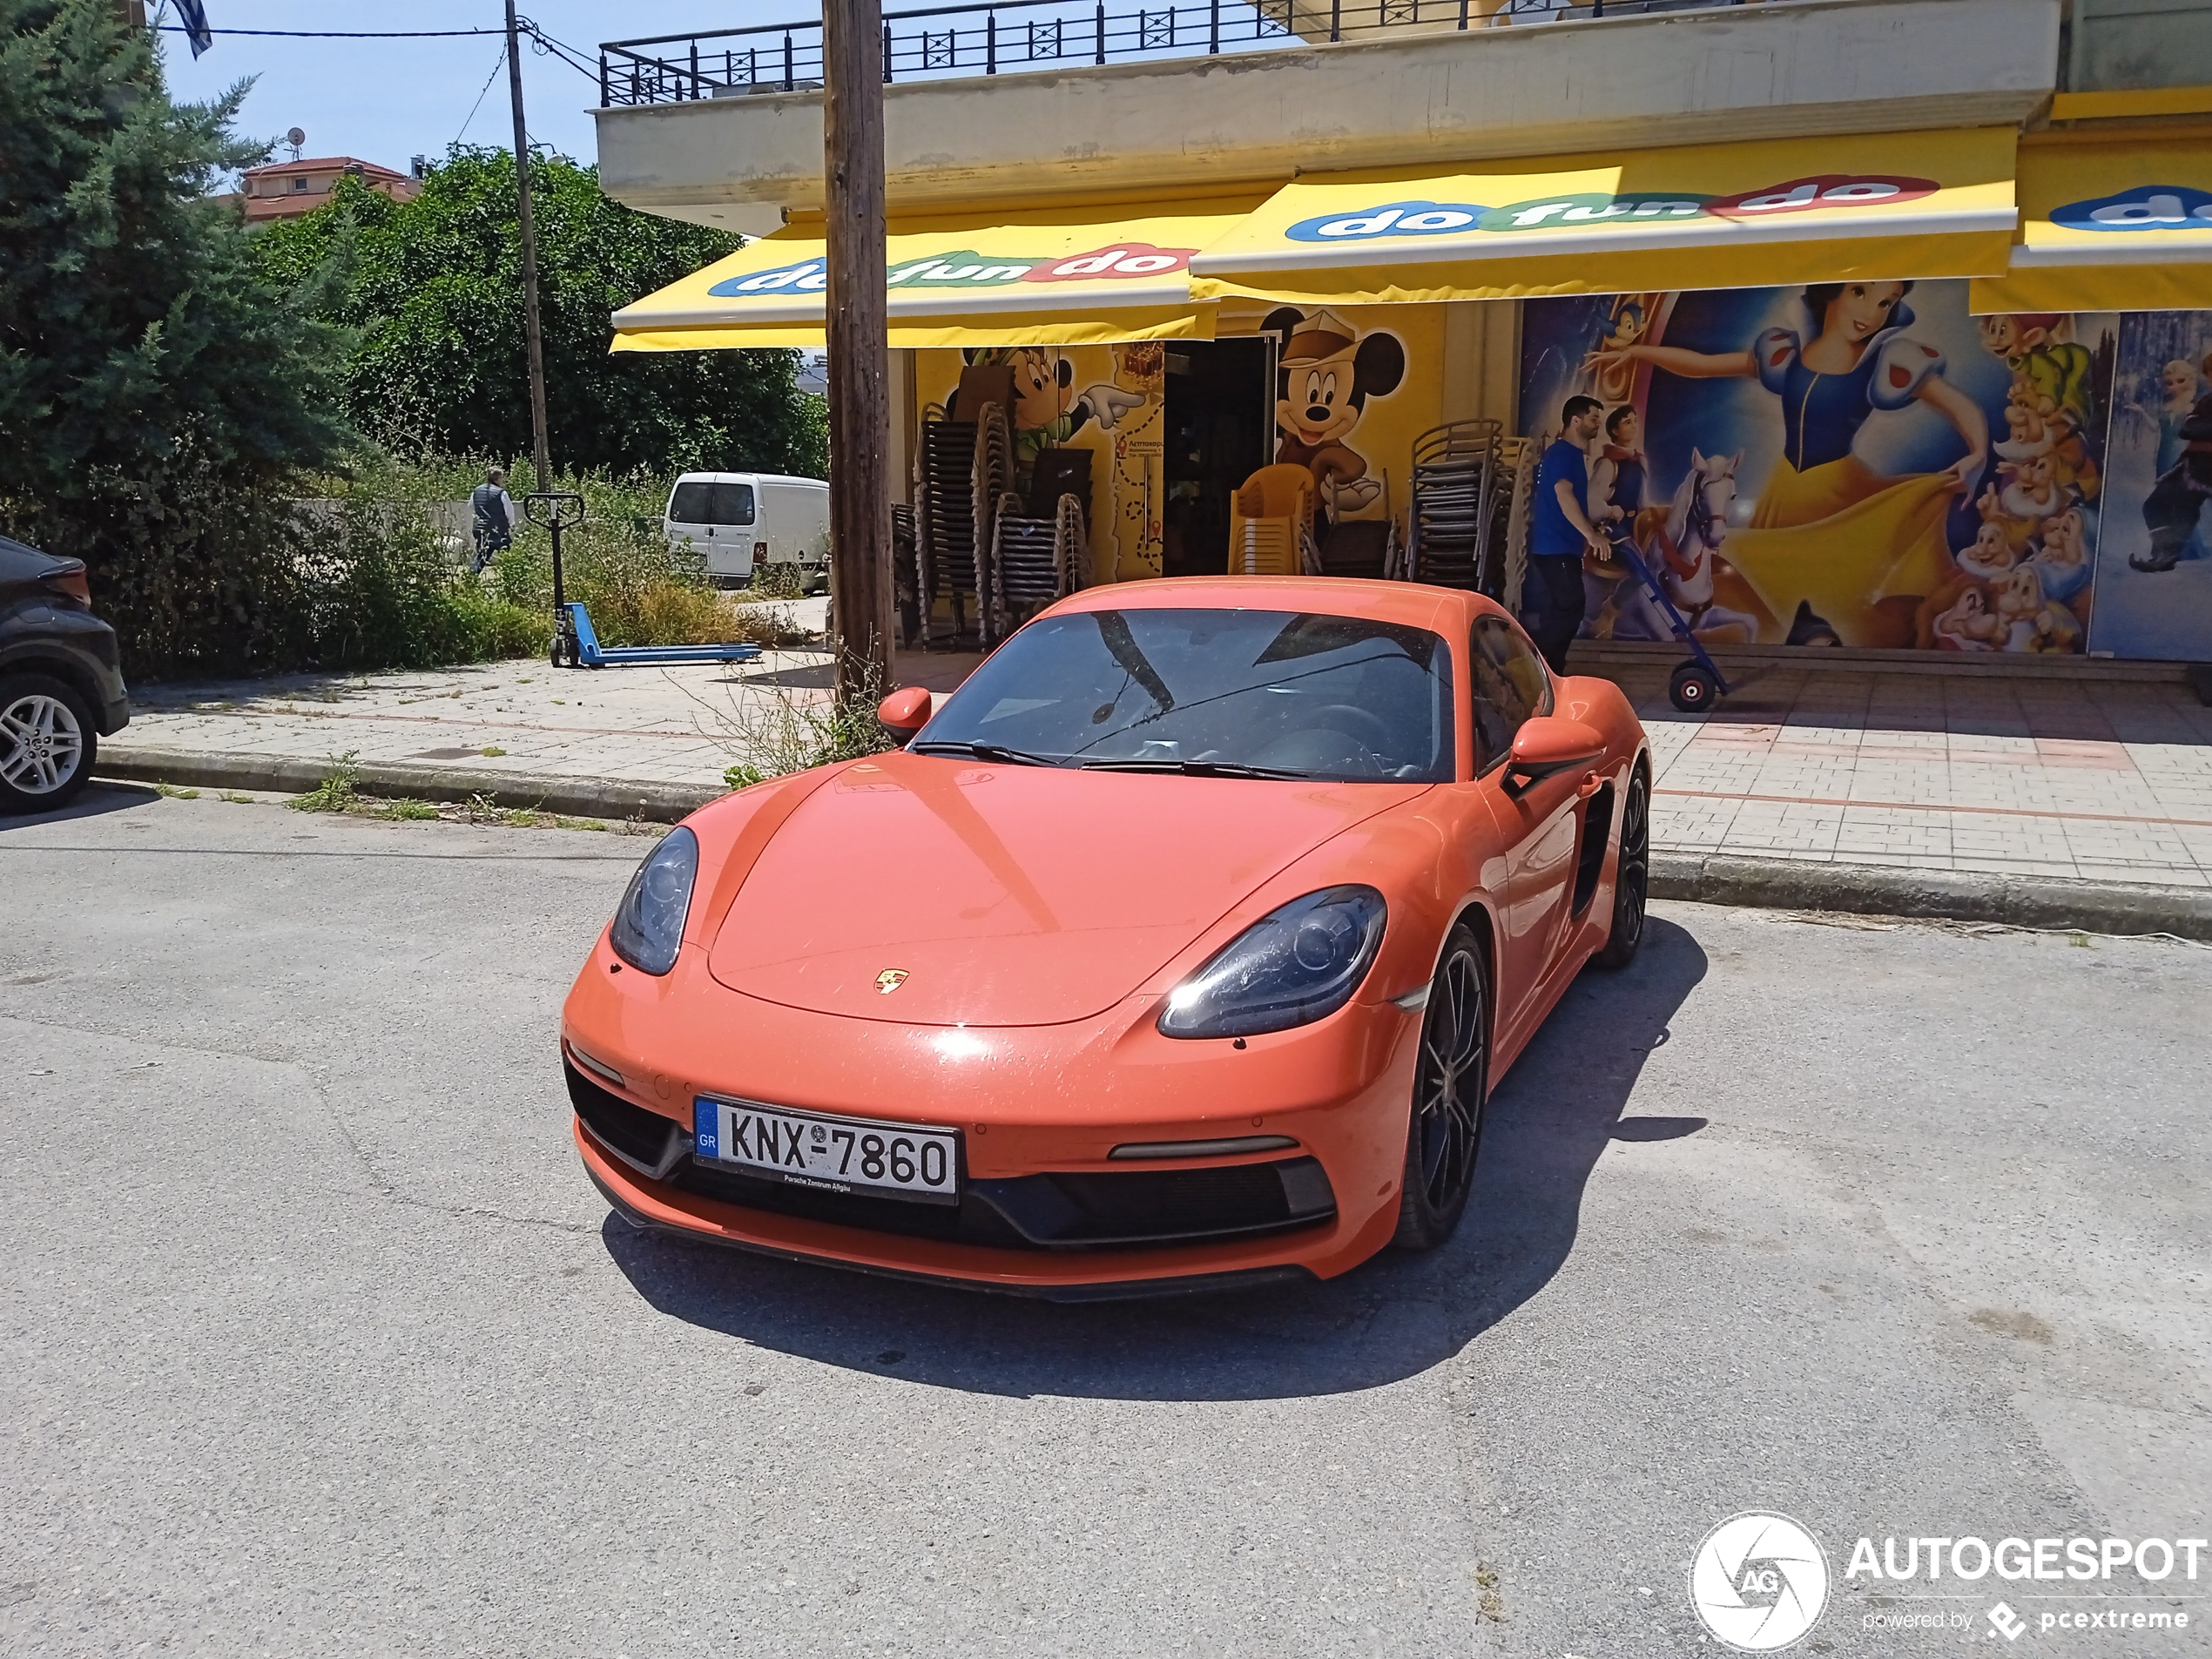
1007, 894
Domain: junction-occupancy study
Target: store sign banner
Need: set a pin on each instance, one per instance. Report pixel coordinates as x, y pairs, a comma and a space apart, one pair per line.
965, 269
1579, 209
2145, 207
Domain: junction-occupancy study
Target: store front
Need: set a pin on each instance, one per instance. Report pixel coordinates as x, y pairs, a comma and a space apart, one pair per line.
1885, 392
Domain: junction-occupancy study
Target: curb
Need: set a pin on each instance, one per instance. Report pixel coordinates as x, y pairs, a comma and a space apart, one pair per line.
530, 791
1948, 895
1710, 878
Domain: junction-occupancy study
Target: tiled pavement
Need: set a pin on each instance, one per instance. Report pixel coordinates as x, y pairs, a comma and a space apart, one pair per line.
2104, 778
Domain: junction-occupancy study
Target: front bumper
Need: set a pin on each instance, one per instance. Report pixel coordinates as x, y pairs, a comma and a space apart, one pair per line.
1046, 1210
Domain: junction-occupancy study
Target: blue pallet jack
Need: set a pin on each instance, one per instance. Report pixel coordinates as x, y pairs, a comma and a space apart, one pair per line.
1695, 684
586, 651
576, 645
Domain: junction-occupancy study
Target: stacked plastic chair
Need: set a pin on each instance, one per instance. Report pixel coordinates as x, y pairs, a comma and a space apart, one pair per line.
945, 520
963, 469
1455, 500
1518, 456
904, 569
1035, 560
1271, 524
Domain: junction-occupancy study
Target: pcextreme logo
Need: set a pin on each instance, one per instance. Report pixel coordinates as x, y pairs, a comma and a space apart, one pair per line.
2147, 207
968, 269
1571, 211
1758, 1582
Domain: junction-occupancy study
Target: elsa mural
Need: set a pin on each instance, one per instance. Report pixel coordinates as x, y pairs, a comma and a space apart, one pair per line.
1837, 552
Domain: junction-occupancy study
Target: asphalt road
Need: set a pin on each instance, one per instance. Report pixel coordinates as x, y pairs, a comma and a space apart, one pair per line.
318, 1342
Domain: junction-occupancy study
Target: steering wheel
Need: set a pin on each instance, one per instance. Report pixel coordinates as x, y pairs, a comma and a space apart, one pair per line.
1372, 723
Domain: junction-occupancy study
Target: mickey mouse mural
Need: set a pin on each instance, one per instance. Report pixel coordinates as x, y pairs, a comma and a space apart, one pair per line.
1325, 370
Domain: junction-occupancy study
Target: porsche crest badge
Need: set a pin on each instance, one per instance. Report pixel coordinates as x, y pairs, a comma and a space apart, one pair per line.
889, 981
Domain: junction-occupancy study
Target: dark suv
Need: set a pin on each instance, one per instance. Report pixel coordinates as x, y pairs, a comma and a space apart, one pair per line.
61, 679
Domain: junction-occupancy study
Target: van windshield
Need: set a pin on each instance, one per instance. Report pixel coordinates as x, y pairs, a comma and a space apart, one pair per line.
706, 504
1266, 693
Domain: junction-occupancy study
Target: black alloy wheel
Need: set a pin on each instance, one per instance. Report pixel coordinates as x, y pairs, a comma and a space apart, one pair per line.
1450, 1086
1632, 877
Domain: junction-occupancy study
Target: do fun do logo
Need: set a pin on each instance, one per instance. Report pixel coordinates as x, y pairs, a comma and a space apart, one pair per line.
1421, 218
1122, 262
2149, 207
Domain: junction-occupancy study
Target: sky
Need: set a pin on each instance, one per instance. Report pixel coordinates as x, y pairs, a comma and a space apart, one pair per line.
388, 100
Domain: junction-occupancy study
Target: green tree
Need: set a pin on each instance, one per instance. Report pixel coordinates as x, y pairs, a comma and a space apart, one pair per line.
155, 388
432, 289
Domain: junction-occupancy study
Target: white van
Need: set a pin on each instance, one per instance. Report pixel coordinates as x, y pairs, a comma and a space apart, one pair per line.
738, 521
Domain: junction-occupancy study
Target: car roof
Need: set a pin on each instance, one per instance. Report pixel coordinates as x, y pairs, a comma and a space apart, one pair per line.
1413, 604
749, 478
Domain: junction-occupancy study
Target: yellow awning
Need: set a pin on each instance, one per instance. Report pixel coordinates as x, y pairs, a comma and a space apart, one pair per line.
1702, 216
2110, 224
1063, 276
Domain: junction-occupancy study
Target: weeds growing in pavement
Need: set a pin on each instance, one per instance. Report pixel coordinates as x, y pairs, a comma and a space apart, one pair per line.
335, 793
170, 792
405, 808
778, 728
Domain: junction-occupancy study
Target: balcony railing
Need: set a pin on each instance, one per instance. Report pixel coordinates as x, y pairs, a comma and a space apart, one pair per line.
1016, 35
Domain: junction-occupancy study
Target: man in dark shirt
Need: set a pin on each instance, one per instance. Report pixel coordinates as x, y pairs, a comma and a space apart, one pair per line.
2170, 510
1559, 531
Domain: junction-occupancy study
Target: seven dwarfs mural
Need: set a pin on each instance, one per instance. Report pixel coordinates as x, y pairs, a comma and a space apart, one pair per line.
1847, 463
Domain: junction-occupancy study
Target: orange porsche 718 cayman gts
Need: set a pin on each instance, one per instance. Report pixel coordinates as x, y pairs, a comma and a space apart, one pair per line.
1178, 948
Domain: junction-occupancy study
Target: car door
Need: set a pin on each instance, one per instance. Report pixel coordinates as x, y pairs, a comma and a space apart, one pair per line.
1510, 684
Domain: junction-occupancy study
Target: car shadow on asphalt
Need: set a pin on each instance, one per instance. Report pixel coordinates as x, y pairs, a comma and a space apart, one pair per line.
1395, 1317
98, 798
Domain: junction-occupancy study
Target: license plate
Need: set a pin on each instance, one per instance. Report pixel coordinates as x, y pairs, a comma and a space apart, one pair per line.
831, 1154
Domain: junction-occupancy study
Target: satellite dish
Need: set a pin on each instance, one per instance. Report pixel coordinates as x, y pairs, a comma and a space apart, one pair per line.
295, 137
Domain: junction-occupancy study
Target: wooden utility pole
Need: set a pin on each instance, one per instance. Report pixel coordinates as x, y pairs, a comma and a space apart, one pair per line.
859, 354
536, 341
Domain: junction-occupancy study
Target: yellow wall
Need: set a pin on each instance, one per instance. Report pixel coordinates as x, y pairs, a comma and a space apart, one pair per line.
1382, 434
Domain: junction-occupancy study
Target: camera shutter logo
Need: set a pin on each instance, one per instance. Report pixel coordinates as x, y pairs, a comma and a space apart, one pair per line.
1759, 1582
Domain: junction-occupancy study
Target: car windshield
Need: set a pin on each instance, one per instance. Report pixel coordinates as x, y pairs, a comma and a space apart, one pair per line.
1269, 693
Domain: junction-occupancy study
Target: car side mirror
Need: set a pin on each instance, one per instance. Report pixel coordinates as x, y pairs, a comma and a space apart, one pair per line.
904, 712
1547, 744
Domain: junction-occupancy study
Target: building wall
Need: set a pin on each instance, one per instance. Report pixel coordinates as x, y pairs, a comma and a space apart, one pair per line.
1815, 67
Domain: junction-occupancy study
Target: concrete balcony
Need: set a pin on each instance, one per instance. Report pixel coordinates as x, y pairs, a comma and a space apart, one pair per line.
1785, 69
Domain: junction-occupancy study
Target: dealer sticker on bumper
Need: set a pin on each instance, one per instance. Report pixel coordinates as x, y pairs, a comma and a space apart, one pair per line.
833, 1154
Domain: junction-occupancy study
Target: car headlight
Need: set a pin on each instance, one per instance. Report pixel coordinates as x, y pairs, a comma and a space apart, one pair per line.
649, 922
1298, 962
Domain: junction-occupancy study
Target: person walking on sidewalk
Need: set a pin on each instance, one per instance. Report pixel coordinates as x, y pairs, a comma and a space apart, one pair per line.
493, 511
1560, 532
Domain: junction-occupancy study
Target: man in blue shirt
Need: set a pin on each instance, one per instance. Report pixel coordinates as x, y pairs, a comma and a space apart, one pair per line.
1559, 531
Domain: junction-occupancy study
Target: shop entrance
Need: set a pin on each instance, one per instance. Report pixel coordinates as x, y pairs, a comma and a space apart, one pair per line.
1220, 423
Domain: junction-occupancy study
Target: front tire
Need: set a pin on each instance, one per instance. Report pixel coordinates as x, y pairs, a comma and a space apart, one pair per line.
47, 743
1632, 877
1451, 1084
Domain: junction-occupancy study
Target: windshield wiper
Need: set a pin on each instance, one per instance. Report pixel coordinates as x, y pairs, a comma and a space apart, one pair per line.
1194, 768
997, 752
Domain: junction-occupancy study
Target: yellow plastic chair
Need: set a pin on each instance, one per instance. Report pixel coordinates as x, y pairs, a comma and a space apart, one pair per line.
1270, 523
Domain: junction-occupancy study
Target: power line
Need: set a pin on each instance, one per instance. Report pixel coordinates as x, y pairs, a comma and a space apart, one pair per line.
338, 34
499, 64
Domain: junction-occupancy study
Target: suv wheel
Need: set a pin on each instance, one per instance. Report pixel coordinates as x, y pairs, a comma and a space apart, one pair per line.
47, 743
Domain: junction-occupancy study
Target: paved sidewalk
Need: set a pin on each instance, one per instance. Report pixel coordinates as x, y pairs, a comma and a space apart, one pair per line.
683, 726
2086, 777
2090, 778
